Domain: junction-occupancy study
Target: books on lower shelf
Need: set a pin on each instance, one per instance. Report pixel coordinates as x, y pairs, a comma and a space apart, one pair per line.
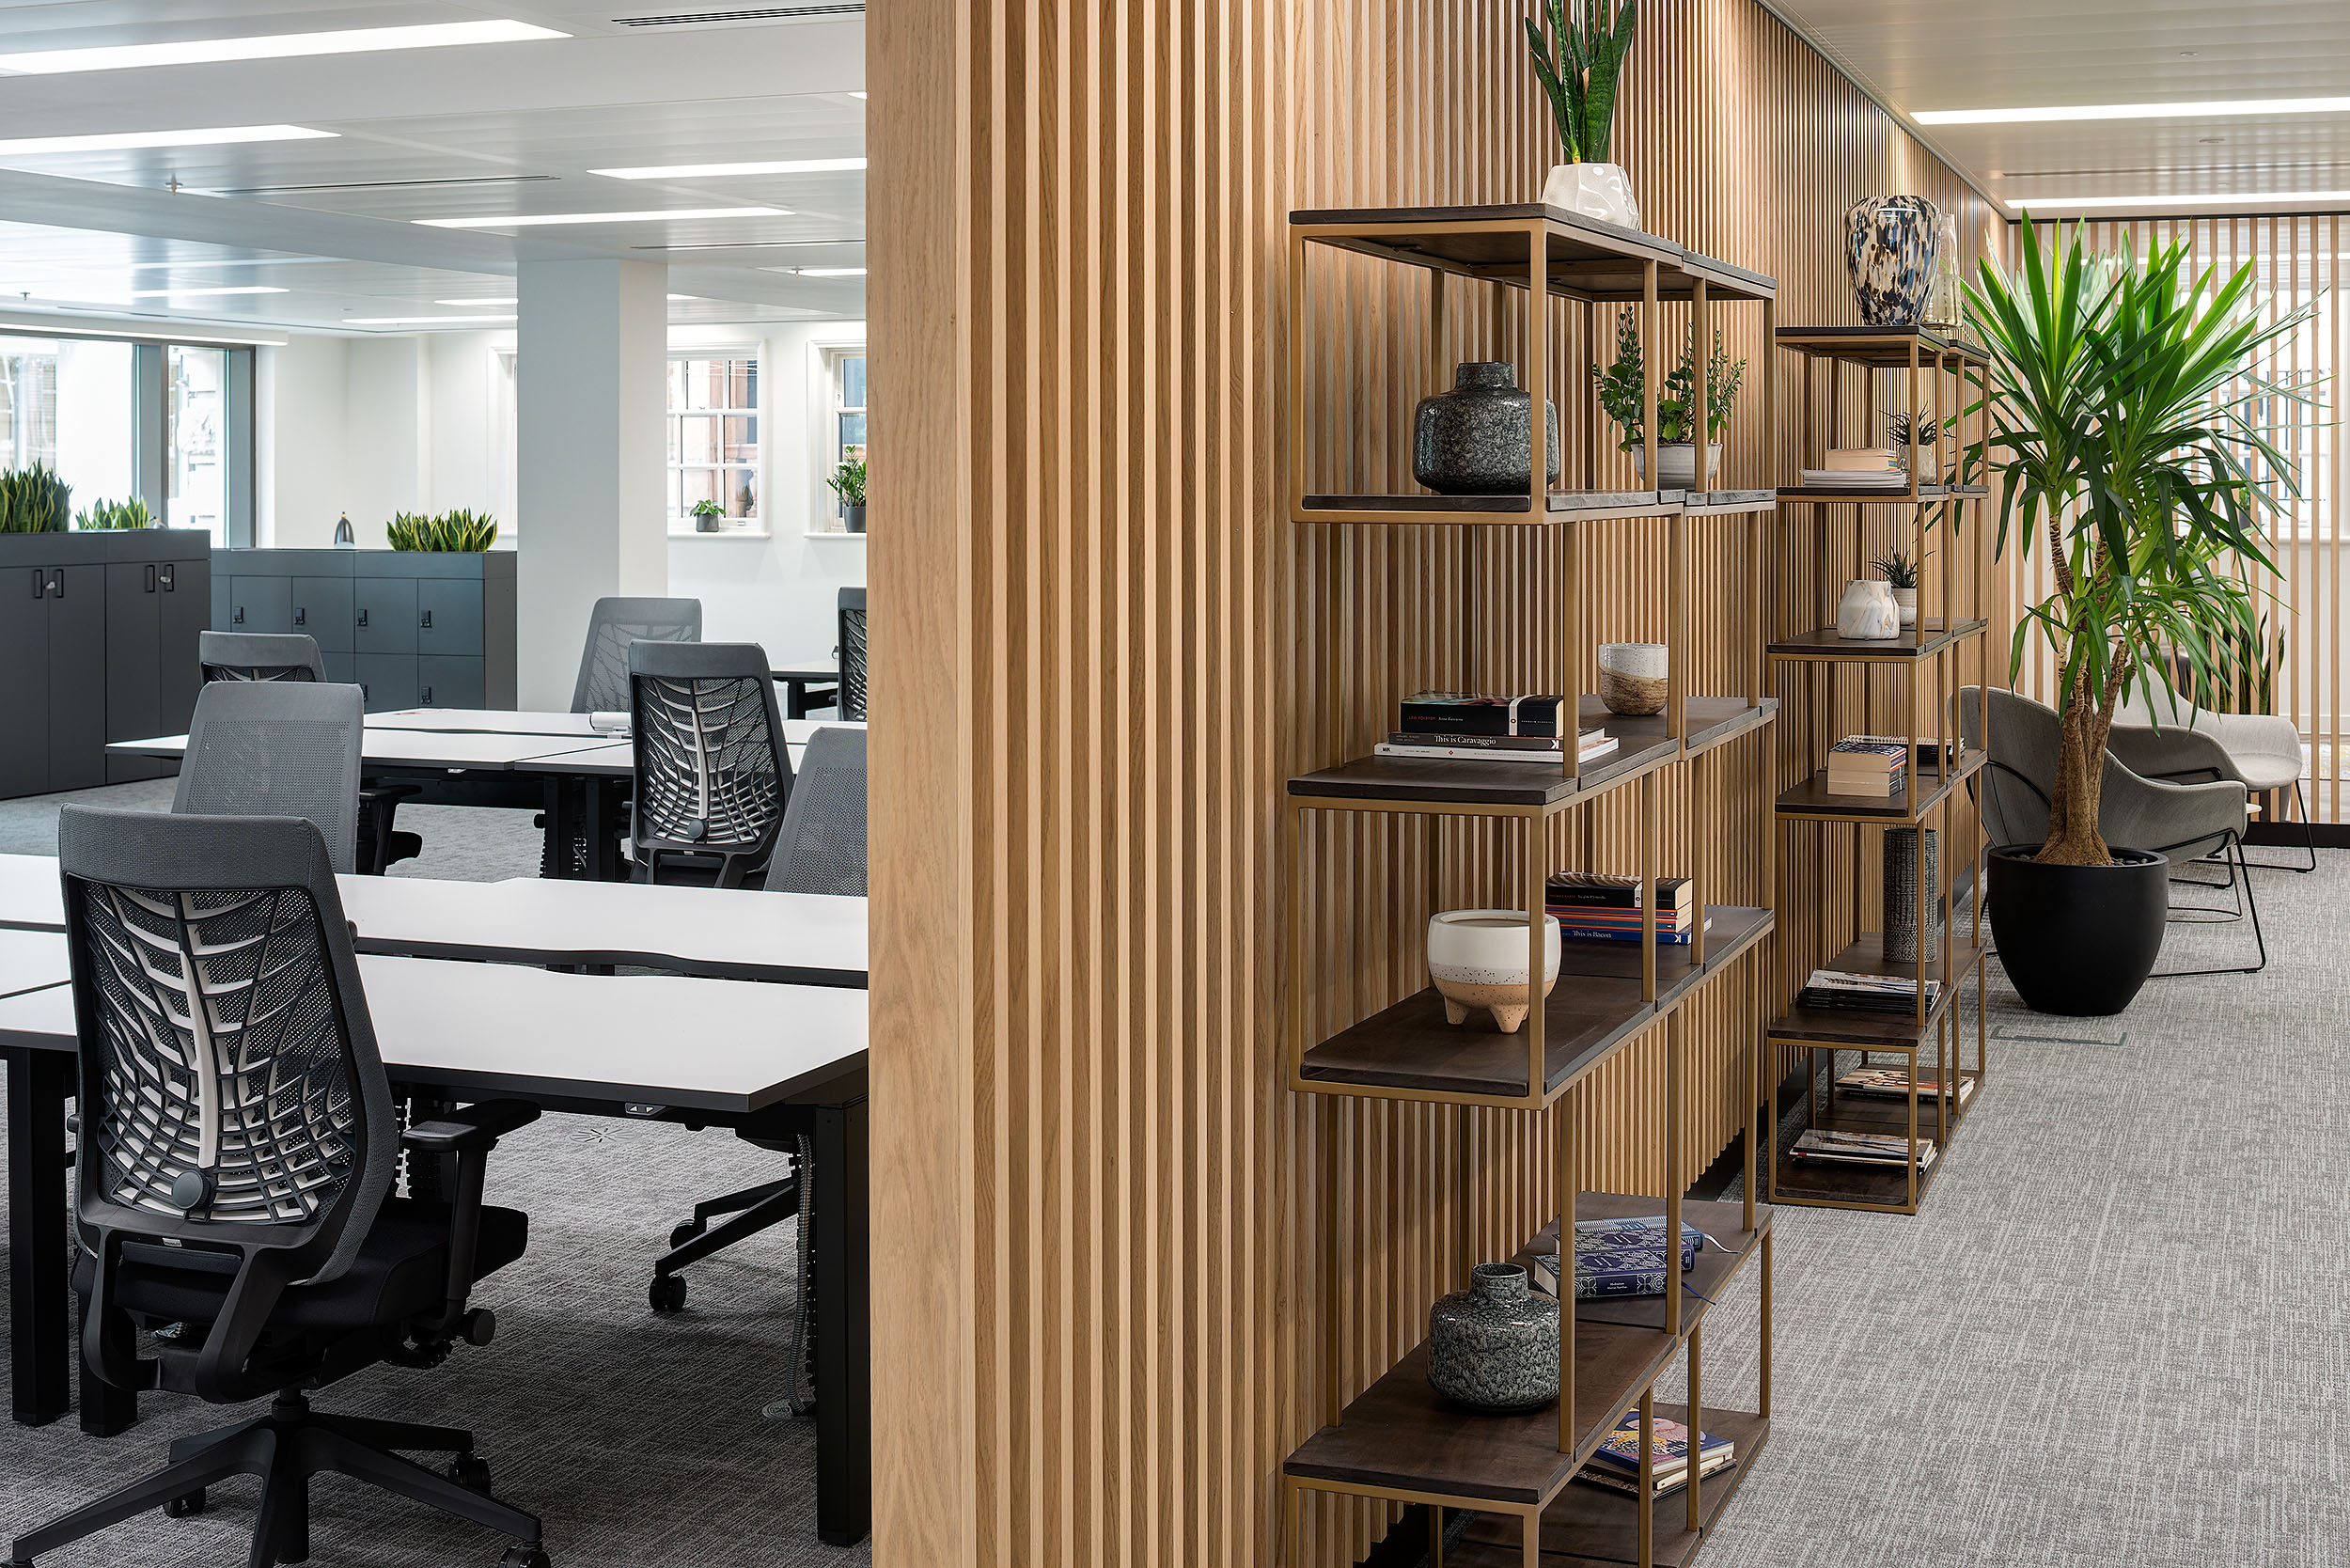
1892, 482
1892, 1083
1619, 1258
1836, 988
1598, 906
1617, 1464
1593, 744
1826, 1146
1861, 460
1871, 765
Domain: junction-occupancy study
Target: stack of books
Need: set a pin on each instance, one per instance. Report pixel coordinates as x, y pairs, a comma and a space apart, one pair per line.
1872, 765
1619, 1258
1617, 1464
1838, 988
1820, 1146
1858, 468
1892, 1083
1592, 904
1591, 746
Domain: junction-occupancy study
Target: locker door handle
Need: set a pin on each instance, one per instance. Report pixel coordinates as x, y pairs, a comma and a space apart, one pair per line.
428, 697
171, 579
40, 581
363, 618
150, 579
427, 622
239, 617
302, 616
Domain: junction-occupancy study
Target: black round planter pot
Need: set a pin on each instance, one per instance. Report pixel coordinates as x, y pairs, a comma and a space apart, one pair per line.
2077, 940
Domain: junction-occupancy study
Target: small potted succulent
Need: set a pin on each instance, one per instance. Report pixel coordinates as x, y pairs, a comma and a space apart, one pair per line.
1901, 574
706, 515
848, 482
1623, 397
1929, 437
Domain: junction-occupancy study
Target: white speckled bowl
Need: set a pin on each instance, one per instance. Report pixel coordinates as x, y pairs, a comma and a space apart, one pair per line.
1477, 957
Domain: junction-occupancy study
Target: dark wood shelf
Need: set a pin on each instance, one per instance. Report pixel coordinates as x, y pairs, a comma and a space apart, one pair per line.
1711, 721
1883, 347
1594, 1527
1925, 494
1729, 503
1735, 928
1702, 1284
1928, 637
1832, 1185
1427, 783
1812, 801
1871, 1113
1856, 1029
1559, 506
1583, 258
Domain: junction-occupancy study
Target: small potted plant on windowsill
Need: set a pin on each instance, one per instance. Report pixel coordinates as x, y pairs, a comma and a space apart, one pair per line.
1623, 395
848, 482
706, 515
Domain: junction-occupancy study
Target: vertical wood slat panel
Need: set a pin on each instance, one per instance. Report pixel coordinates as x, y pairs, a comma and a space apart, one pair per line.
1099, 648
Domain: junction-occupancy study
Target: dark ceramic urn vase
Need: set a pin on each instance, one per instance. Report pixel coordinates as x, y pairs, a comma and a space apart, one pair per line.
1495, 1346
2077, 940
1889, 248
1478, 439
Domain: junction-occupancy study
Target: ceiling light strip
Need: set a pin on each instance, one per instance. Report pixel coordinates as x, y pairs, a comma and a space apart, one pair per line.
715, 172
2255, 199
131, 141
272, 46
532, 220
2205, 109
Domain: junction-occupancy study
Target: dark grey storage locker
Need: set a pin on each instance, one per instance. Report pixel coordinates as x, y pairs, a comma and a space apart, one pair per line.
415, 628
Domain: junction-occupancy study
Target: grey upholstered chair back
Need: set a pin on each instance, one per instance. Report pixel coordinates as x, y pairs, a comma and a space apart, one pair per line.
259, 656
2022, 765
822, 846
712, 776
853, 654
230, 1089
602, 686
278, 748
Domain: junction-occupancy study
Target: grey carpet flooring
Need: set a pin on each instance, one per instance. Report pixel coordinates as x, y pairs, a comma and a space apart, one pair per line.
636, 1438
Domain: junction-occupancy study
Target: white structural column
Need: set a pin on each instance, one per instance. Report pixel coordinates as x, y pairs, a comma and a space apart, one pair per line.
590, 360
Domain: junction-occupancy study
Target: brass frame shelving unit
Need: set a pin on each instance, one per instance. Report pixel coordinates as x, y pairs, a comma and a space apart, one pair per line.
1398, 1439
1923, 662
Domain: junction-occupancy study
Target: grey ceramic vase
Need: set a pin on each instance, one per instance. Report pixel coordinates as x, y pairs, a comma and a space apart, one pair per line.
1889, 248
1495, 1346
1477, 438
1901, 893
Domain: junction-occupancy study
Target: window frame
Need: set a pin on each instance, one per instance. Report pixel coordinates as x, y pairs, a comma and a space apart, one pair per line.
755, 355
832, 357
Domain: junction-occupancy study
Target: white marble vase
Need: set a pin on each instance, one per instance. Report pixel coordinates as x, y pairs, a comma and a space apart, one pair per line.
1867, 613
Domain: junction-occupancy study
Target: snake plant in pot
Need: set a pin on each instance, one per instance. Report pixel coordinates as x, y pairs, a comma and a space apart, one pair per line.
1580, 66
2125, 427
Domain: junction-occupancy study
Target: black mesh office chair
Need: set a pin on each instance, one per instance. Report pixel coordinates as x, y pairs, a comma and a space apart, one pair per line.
277, 749
853, 654
821, 849
712, 776
602, 688
282, 656
235, 1167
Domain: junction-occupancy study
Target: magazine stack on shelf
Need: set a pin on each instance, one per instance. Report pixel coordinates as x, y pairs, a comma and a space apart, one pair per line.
1858, 468
1824, 1145
1892, 1083
1876, 766
1619, 1258
1474, 727
1835, 988
1594, 906
1617, 1464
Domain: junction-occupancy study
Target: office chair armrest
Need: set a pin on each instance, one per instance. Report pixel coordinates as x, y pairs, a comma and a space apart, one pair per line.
477, 1126
2173, 755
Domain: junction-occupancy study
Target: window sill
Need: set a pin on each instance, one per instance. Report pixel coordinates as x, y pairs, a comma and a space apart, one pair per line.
720, 533
834, 533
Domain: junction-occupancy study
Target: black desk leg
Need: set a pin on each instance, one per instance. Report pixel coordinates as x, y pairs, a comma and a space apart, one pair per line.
603, 828
796, 696
844, 1366
39, 1334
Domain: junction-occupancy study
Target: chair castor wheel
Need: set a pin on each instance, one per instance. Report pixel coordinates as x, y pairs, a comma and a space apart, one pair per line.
185, 1504
667, 1292
470, 1473
526, 1557
686, 1233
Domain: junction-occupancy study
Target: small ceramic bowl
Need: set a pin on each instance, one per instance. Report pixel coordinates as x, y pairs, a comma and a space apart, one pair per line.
1477, 957
1632, 677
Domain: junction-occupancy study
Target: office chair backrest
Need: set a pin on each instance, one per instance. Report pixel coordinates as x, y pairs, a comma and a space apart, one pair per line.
853, 654
602, 686
820, 848
230, 1090
277, 749
2020, 774
259, 656
712, 776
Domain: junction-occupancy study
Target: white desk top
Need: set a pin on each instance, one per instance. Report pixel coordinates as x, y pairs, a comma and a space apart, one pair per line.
486, 721
415, 748
814, 669
487, 1029
32, 959
736, 933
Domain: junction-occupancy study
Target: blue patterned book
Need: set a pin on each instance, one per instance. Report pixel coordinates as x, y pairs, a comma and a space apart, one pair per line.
1620, 1257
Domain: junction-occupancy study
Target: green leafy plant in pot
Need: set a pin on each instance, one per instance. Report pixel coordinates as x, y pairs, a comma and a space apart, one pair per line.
1622, 389
706, 515
848, 482
1580, 65
2123, 412
451, 532
34, 501
106, 516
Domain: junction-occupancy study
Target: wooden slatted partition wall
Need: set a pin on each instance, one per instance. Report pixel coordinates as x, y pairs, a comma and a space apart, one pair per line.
2300, 259
1099, 648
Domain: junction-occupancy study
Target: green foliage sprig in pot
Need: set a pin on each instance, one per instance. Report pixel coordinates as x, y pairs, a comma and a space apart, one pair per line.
451, 532
106, 516
2125, 428
1622, 391
848, 482
34, 501
1580, 67
1897, 568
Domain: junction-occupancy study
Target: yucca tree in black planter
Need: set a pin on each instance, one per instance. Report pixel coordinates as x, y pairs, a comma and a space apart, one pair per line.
2123, 410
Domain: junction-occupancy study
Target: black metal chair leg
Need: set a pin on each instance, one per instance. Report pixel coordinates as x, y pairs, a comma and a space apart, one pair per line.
329, 1450
735, 1202
764, 1215
246, 1454
2309, 839
404, 1436
2248, 906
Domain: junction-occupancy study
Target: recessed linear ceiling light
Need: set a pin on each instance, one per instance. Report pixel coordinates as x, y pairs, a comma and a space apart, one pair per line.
712, 171
126, 141
2260, 199
423, 321
2209, 108
486, 303
819, 271
190, 293
856, 95
525, 220
273, 46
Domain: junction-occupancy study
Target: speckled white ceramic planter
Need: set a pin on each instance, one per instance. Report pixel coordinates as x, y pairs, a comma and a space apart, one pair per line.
1477, 957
